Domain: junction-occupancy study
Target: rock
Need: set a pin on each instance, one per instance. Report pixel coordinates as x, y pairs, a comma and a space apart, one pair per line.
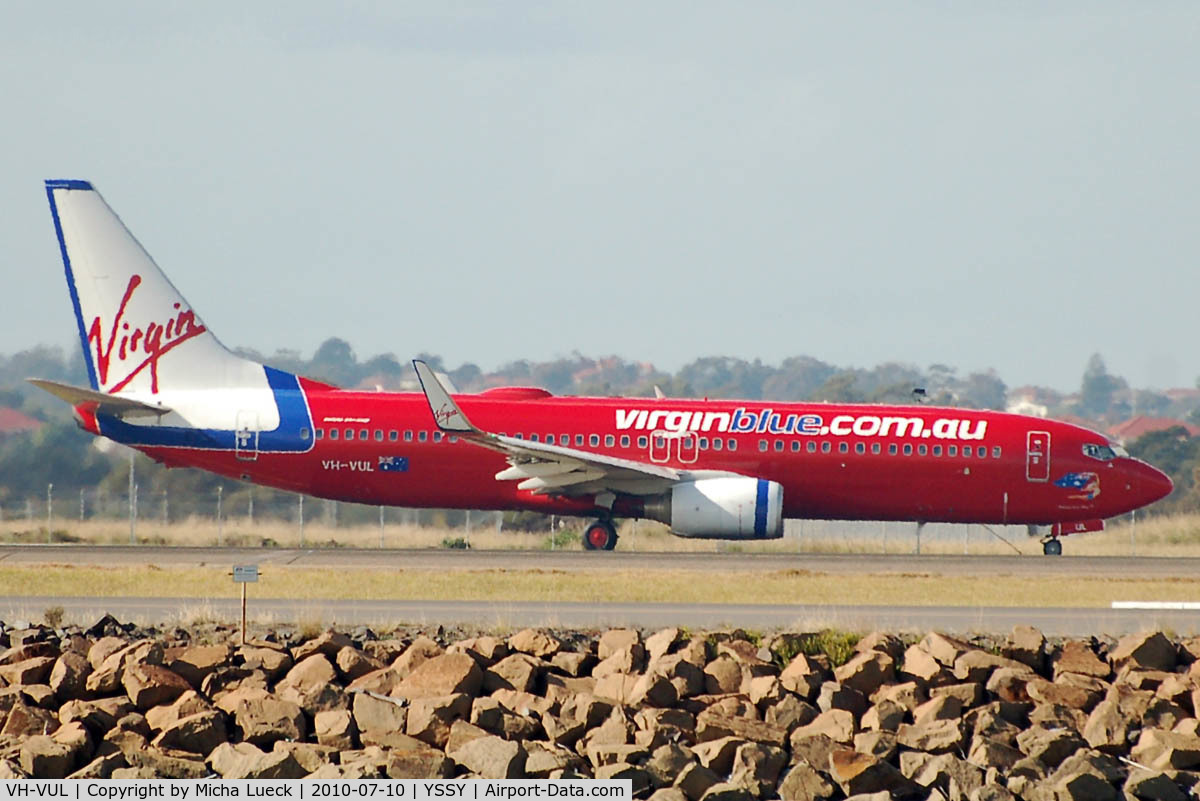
335, 728
68, 677
353, 664
374, 713
543, 759
722, 675
517, 672
920, 666
876, 743
447, 674
1107, 727
885, 716
265, 720
717, 755
26, 720
1049, 746
43, 758
274, 662
164, 764
863, 773
988, 753
615, 640
420, 650
943, 707
1009, 684
803, 676
945, 650
149, 685
947, 770
199, 733
1026, 645
327, 643
429, 719
1145, 651
838, 696
310, 757
716, 726
311, 685
933, 736
969, 693
668, 794
790, 712
977, 666
1163, 750
1084, 787
803, 783
696, 779
837, 724
573, 663
1077, 656
101, 767
727, 791
491, 757
1152, 786
195, 662
907, 694
246, 761
188, 703
413, 759
1063, 692
651, 690
27, 671
535, 643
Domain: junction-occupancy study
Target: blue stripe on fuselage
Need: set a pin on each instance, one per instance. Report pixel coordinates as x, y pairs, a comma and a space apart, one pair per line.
760, 509
293, 416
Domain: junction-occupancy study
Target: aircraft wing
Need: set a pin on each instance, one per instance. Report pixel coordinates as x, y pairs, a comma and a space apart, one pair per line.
113, 405
543, 468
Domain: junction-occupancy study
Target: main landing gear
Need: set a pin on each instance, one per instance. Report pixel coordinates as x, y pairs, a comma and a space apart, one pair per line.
600, 535
1052, 546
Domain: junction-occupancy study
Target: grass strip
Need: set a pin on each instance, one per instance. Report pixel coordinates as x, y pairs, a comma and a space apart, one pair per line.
647, 586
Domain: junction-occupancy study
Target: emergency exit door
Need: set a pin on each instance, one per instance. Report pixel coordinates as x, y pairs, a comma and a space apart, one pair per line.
1037, 456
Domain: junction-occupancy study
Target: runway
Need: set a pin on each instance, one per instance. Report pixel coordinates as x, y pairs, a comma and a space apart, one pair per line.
519, 614
593, 561
507, 614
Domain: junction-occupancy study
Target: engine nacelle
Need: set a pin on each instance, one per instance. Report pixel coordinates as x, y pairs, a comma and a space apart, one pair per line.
721, 508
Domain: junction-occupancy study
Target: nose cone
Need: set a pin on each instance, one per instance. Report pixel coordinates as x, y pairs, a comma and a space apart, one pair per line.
1147, 484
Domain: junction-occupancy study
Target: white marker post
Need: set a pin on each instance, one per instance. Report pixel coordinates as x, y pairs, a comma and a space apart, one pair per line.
244, 574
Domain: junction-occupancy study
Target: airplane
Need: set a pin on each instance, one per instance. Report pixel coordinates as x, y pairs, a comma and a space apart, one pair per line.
162, 383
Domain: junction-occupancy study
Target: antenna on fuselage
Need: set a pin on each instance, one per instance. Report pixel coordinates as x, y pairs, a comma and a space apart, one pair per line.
919, 395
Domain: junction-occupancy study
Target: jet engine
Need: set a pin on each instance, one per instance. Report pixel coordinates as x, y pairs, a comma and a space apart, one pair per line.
721, 508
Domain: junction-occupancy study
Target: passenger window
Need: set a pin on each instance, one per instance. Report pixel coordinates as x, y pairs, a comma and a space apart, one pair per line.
422, 436
826, 447
593, 440
892, 449
393, 435
843, 447
437, 436
762, 445
860, 447
732, 444
643, 441
937, 450
778, 445
579, 439
995, 451
304, 434
609, 440
952, 450
907, 449
408, 436
812, 447
333, 433
320, 433
364, 434
795, 446
718, 443
624, 440
876, 447
349, 433
922, 450
967, 451
379, 435
453, 438
704, 443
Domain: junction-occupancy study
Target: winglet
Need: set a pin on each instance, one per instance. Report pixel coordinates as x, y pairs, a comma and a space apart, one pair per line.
446, 413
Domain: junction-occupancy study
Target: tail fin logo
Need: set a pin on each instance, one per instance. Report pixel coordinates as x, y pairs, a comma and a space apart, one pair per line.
149, 343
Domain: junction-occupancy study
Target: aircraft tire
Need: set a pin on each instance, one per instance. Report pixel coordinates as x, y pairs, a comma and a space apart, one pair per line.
1052, 547
600, 535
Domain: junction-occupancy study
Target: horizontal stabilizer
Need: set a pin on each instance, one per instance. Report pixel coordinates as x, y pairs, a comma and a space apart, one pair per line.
114, 405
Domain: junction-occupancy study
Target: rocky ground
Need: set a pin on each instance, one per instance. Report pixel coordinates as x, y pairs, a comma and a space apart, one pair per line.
684, 716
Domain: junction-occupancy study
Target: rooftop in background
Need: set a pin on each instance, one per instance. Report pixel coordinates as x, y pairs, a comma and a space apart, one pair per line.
14, 422
1134, 427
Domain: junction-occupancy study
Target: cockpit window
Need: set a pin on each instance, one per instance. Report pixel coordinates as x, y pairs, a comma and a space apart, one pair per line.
1102, 452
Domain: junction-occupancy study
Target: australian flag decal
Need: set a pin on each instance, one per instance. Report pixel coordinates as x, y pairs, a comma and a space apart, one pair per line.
1089, 483
393, 464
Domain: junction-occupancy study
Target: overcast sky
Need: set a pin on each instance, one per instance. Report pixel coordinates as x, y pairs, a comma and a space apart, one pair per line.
1010, 185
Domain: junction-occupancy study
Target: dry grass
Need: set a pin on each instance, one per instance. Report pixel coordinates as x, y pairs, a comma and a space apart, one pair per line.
1177, 536
650, 586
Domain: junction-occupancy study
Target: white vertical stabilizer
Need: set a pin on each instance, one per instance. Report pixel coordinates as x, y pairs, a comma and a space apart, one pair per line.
140, 337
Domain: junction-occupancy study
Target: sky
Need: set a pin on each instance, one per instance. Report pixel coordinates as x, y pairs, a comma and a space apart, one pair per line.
1007, 185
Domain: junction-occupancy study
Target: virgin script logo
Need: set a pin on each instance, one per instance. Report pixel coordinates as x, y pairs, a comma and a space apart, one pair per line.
151, 341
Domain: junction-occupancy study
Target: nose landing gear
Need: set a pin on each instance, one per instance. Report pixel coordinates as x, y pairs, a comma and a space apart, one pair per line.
600, 535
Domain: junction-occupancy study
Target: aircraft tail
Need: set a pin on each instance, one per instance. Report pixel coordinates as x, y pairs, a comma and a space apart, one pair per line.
139, 335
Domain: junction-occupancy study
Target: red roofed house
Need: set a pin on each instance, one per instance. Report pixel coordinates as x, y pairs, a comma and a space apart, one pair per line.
14, 422
1134, 427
